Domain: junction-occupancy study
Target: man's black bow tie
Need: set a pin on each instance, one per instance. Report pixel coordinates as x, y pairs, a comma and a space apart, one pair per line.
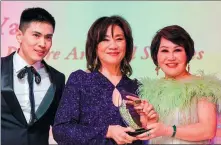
22, 73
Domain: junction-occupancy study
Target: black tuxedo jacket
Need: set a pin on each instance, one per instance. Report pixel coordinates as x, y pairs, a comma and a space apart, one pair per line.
15, 130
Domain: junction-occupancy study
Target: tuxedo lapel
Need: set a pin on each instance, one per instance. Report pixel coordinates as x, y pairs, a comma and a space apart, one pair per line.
50, 94
46, 102
7, 89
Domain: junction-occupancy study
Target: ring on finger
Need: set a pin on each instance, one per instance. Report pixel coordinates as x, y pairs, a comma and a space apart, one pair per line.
148, 134
137, 102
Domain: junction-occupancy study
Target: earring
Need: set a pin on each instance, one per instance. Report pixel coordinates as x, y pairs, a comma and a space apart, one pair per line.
157, 70
188, 67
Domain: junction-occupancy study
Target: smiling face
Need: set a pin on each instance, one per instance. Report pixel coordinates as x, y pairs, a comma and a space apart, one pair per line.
112, 49
35, 41
172, 59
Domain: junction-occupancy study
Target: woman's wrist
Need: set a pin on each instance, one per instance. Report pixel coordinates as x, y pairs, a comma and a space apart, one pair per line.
169, 131
108, 132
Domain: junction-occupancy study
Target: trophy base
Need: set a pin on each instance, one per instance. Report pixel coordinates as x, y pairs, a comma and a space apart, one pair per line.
137, 132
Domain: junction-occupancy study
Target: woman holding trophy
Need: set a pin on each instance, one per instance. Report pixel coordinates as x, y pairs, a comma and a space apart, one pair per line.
186, 103
93, 108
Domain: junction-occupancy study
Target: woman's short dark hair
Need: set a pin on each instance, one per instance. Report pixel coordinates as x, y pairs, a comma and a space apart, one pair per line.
175, 34
97, 33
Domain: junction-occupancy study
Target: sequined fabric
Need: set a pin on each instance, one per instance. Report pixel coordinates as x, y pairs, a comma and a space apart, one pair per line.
86, 109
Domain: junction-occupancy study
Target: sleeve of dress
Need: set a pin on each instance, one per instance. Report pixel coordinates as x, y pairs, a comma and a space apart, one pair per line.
209, 87
58, 98
67, 128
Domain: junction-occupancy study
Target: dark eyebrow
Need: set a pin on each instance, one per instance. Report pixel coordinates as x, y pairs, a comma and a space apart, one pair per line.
47, 35
168, 47
36, 32
118, 35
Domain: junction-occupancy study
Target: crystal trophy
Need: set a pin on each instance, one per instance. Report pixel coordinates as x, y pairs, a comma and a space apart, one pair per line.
129, 114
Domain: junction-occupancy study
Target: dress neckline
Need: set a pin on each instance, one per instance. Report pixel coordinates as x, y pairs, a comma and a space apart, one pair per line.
109, 82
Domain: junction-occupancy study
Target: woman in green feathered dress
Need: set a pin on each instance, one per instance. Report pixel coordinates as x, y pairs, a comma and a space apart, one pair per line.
186, 103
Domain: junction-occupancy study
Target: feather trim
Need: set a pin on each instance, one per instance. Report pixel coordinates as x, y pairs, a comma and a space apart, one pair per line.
167, 94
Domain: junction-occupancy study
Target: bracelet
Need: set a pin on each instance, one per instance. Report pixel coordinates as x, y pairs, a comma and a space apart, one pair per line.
174, 130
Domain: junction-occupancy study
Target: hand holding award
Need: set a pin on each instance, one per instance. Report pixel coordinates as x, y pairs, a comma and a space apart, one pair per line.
131, 110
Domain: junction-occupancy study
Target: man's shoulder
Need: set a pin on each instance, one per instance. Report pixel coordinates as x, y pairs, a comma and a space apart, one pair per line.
5, 58
6, 61
57, 72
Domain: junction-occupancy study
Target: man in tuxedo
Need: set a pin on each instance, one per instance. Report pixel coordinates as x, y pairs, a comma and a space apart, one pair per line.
30, 88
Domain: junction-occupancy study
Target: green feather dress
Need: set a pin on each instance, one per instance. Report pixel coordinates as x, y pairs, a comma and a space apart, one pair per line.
176, 101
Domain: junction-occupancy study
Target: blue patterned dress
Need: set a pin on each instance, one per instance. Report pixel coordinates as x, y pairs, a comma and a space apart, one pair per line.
86, 109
